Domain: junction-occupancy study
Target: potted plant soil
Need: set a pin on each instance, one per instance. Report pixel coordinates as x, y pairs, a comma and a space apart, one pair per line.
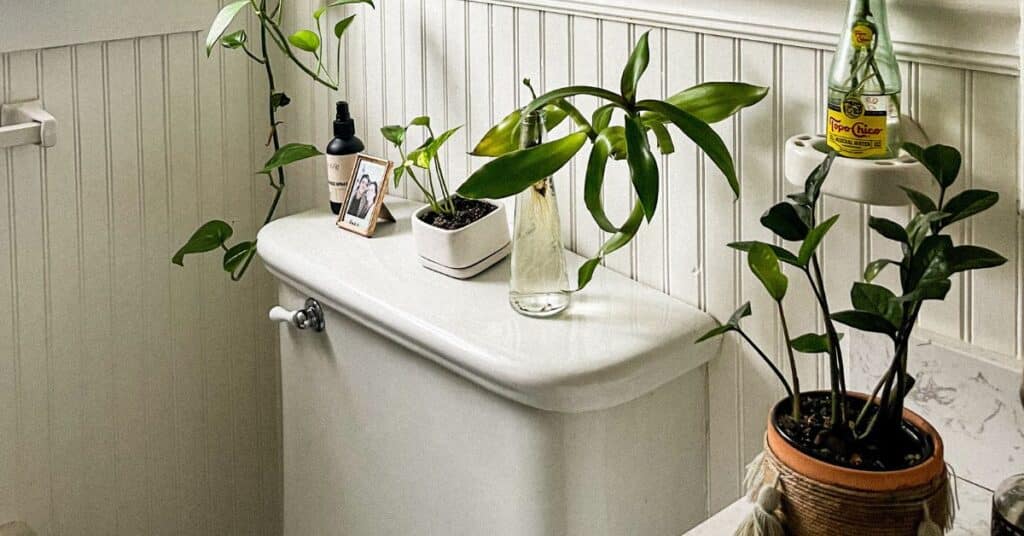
455, 236
837, 461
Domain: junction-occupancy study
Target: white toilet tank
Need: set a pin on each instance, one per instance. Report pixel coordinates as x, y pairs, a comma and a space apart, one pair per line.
428, 407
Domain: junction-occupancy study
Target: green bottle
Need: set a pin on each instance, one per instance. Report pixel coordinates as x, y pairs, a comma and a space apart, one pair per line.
864, 86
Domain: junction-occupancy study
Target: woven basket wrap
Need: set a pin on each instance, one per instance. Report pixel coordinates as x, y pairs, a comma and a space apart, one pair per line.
815, 509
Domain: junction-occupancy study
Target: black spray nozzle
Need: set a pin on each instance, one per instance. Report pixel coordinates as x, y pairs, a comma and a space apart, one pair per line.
344, 125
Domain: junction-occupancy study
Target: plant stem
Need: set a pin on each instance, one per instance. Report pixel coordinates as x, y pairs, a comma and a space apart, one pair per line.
282, 43
775, 369
837, 366
792, 364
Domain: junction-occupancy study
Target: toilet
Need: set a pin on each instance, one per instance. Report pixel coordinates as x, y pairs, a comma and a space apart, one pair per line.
426, 406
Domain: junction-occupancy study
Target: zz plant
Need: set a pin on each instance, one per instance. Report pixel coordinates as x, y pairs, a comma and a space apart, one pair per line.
215, 234
929, 259
513, 170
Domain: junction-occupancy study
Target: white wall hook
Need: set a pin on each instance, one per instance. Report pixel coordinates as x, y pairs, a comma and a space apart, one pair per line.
27, 123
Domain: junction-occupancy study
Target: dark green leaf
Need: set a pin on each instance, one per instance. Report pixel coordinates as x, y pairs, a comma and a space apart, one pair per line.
920, 226
394, 134
237, 254
234, 40
421, 121
732, 324
712, 102
964, 258
336, 3
783, 254
935, 289
306, 40
741, 313
865, 321
703, 135
942, 161
635, 68
967, 204
594, 182
930, 261
814, 238
572, 91
643, 168
602, 117
889, 229
623, 237
279, 100
878, 300
920, 200
811, 343
221, 23
665, 144
875, 267
288, 154
210, 236
814, 181
342, 25
398, 174
765, 265
787, 220
720, 330
516, 171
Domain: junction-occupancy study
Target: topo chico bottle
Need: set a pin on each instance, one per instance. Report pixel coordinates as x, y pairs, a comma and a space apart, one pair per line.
864, 86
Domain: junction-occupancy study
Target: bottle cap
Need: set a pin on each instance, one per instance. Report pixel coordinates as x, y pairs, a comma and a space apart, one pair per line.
344, 125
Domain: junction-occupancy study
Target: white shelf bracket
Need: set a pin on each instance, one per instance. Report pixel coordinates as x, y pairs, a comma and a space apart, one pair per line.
27, 123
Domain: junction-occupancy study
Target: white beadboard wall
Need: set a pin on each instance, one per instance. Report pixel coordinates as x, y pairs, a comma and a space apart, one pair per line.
137, 397
461, 62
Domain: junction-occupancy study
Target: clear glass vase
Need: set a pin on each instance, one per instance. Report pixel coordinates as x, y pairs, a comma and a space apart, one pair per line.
539, 284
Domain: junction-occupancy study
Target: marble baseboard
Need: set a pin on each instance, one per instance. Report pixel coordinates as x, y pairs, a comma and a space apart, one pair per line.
971, 398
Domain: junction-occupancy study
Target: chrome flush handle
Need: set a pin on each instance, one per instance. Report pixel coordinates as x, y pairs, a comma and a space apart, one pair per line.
310, 317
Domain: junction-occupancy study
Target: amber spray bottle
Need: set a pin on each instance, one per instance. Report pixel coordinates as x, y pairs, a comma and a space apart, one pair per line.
341, 155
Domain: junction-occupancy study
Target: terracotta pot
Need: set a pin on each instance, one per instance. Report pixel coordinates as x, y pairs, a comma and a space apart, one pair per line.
821, 499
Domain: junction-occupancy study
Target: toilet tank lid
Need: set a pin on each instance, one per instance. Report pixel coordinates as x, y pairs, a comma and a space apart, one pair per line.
617, 341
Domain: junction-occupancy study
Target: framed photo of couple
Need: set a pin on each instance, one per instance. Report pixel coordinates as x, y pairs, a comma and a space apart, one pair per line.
363, 203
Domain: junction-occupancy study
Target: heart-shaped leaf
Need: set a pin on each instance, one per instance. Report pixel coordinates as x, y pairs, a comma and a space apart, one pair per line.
234, 40
279, 100
394, 134
288, 154
765, 265
306, 40
342, 25
210, 236
221, 23
238, 254
514, 172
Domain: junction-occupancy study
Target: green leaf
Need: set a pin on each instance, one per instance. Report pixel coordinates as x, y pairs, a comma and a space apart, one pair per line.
920, 226
623, 237
573, 91
502, 138
967, 204
234, 40
237, 254
964, 258
288, 154
920, 200
928, 290
397, 174
889, 229
554, 115
421, 121
703, 135
875, 267
942, 161
221, 23
787, 220
306, 40
279, 100
594, 182
929, 262
811, 343
661, 133
783, 254
336, 3
643, 168
712, 102
514, 172
602, 117
635, 68
814, 238
731, 325
342, 25
319, 12
865, 321
210, 236
765, 265
878, 300
814, 181
435, 145
394, 134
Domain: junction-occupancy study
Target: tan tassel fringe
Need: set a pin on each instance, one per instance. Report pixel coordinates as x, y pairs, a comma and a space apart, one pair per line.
765, 518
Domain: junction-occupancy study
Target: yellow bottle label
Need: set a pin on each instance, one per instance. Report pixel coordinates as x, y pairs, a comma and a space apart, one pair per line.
858, 128
862, 35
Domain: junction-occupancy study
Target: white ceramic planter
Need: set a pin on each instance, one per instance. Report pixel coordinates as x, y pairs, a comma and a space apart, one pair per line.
465, 252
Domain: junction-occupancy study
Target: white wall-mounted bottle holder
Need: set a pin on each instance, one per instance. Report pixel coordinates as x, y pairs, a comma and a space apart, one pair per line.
874, 182
27, 123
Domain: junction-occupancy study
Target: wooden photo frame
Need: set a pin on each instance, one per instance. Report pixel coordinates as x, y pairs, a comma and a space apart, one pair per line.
363, 203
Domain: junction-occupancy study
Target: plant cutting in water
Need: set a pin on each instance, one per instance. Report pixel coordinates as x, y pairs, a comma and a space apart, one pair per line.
215, 234
514, 170
447, 210
841, 429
